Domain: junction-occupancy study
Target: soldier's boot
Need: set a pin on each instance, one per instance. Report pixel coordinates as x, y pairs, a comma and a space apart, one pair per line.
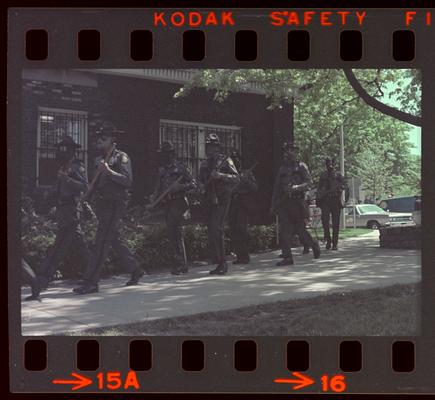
43, 282
183, 269
334, 241
86, 289
180, 266
328, 243
306, 250
316, 249
36, 290
135, 276
285, 261
221, 269
176, 271
241, 260
32, 297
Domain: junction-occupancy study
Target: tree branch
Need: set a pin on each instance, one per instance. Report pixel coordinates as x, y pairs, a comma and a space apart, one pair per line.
378, 105
342, 104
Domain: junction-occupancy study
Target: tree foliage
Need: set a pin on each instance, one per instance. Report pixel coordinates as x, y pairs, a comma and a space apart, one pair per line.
379, 105
324, 101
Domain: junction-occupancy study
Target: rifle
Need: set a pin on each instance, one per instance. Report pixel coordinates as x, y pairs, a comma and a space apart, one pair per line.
148, 213
87, 211
164, 193
91, 186
285, 194
249, 170
211, 181
320, 198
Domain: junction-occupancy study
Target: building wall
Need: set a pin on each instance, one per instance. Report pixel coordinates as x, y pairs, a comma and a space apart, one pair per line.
58, 89
137, 105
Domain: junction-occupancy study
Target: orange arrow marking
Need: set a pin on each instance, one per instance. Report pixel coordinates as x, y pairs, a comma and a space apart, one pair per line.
80, 382
301, 382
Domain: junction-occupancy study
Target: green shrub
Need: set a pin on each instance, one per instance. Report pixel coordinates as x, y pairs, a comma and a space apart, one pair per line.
37, 233
196, 241
262, 238
148, 242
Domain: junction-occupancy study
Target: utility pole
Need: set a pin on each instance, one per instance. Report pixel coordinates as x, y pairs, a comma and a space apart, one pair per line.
354, 203
343, 198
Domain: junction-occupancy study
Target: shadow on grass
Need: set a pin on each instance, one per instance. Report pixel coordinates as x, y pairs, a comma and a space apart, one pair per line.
389, 311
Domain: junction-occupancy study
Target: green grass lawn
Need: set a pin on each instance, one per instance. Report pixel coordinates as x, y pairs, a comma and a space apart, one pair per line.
344, 233
389, 311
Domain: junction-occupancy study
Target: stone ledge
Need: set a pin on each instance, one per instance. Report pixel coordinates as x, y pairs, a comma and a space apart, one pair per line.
400, 237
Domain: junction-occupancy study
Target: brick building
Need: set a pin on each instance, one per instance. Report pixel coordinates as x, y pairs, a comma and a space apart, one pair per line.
142, 103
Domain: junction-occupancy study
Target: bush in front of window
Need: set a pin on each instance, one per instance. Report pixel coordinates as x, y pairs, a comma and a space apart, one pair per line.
262, 238
37, 233
148, 242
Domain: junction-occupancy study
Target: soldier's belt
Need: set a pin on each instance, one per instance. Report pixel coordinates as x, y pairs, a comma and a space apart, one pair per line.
176, 196
67, 201
297, 195
332, 195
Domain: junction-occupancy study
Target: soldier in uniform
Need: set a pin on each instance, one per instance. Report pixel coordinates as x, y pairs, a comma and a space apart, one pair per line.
329, 192
70, 184
174, 175
288, 201
110, 195
217, 176
239, 210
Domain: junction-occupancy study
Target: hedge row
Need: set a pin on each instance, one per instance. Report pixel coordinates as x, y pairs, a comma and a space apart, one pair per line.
148, 242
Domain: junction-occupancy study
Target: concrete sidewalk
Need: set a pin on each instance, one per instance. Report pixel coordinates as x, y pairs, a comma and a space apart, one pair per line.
359, 264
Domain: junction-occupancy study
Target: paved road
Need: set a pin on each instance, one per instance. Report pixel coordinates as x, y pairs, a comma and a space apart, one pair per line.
360, 263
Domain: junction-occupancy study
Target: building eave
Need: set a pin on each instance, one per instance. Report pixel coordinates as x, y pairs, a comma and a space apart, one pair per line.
178, 76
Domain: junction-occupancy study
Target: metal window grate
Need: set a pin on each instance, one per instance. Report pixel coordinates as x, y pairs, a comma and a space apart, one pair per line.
188, 139
52, 126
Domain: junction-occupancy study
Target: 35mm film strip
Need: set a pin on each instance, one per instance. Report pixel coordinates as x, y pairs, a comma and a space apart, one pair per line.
207, 142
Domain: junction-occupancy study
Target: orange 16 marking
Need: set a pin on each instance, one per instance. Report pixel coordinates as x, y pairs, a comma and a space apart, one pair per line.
334, 383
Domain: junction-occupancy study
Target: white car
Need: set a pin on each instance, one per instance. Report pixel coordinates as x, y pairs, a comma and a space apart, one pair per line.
366, 216
401, 218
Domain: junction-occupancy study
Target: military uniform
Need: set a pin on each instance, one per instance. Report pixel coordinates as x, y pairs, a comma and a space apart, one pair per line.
291, 208
70, 184
217, 199
330, 188
110, 199
175, 205
241, 201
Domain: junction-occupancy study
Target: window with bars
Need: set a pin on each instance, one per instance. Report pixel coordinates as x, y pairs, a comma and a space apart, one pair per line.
188, 139
53, 125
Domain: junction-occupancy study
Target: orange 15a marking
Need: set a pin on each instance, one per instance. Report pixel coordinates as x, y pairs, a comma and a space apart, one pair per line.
112, 380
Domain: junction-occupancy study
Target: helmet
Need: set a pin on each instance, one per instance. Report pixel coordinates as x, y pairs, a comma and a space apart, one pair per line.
166, 147
289, 146
107, 129
212, 138
68, 142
